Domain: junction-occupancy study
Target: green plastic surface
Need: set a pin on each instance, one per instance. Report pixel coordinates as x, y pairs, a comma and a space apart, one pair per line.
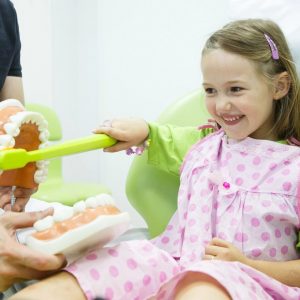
152, 192
68, 193
18, 158
52, 118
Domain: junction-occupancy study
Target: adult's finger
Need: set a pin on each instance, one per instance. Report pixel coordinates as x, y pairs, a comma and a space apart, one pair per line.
22, 196
24, 192
20, 204
5, 195
23, 219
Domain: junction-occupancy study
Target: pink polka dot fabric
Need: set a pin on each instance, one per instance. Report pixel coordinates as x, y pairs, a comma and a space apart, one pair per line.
131, 270
244, 192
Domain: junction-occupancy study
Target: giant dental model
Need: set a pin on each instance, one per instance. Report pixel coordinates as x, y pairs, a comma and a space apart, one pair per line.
72, 230
26, 130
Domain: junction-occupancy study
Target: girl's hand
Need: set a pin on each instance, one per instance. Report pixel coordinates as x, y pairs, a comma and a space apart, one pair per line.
22, 195
128, 131
222, 250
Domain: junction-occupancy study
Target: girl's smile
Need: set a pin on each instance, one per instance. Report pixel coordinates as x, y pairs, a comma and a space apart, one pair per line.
231, 120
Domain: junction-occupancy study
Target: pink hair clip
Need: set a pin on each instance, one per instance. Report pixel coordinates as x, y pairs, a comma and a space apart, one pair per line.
293, 141
274, 49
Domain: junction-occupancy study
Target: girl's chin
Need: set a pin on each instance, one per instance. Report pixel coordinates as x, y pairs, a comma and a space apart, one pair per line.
235, 136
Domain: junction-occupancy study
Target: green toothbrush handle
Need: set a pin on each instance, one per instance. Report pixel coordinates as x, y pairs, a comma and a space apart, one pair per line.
18, 158
88, 143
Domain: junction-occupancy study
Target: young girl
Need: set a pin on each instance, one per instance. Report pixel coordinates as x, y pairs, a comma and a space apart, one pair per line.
235, 231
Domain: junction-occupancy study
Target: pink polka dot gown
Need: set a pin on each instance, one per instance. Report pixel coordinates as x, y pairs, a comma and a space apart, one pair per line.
243, 192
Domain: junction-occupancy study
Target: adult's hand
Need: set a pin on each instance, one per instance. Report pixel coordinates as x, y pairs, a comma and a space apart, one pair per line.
22, 196
18, 262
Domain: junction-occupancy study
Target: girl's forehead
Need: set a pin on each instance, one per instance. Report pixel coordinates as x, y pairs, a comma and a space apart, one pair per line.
220, 65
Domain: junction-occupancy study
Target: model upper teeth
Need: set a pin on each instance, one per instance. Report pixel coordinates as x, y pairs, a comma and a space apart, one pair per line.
230, 119
63, 213
12, 129
79, 206
6, 141
105, 199
44, 224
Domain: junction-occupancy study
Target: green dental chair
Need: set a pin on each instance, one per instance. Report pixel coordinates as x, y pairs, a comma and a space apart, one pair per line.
152, 192
56, 189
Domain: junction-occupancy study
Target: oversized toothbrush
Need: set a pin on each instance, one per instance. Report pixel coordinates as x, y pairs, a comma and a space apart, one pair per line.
23, 140
19, 158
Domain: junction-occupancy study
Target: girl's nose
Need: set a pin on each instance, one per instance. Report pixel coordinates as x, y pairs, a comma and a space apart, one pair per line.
223, 104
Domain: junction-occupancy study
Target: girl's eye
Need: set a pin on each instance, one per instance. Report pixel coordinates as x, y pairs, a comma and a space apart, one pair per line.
236, 89
210, 91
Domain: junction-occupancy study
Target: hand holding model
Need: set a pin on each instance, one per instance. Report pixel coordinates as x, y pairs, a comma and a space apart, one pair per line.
18, 262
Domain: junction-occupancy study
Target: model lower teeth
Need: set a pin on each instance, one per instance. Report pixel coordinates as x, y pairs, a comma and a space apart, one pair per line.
71, 230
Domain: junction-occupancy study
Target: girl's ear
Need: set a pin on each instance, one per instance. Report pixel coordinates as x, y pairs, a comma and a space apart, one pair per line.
282, 85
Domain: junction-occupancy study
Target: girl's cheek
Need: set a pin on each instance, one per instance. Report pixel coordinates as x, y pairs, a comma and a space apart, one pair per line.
211, 108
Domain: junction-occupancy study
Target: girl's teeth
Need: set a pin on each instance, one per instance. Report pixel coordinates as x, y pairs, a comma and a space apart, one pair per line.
231, 119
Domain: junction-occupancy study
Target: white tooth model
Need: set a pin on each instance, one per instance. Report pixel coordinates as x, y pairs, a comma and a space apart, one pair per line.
22, 129
73, 230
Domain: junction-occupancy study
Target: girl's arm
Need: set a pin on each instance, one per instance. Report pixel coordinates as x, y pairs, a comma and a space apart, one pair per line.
168, 143
287, 272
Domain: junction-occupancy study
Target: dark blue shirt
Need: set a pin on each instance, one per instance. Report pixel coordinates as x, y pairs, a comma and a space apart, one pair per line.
10, 44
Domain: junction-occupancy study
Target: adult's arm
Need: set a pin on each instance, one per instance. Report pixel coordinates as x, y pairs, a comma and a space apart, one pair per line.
12, 89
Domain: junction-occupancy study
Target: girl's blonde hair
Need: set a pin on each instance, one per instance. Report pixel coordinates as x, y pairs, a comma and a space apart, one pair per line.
247, 38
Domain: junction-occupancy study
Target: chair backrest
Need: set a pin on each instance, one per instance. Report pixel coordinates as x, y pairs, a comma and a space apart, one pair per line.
55, 135
152, 192
50, 115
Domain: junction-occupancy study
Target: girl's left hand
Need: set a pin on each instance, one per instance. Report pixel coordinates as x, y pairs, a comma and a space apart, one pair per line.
223, 250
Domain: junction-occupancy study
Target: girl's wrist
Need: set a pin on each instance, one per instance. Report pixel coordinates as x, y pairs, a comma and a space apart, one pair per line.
138, 150
249, 262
